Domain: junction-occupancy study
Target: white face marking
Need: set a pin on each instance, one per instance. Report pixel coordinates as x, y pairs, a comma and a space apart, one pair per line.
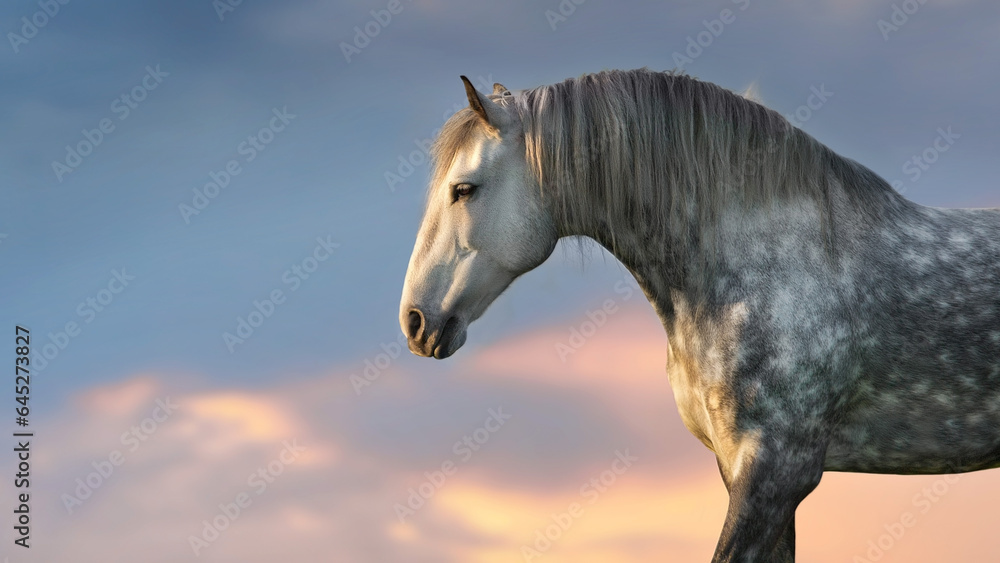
470, 248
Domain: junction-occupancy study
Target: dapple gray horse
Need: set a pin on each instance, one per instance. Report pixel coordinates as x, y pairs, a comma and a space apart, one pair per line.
817, 320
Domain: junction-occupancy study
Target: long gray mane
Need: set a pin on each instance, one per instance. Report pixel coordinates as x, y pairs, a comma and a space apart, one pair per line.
644, 140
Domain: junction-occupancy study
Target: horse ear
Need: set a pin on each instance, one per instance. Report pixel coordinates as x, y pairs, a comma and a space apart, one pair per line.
500, 90
491, 113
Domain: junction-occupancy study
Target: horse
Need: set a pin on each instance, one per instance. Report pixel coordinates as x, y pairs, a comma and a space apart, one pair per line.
817, 320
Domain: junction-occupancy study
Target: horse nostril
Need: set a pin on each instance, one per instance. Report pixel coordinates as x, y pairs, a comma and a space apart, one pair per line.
415, 324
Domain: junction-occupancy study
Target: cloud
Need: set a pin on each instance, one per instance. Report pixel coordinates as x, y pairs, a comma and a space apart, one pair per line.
325, 471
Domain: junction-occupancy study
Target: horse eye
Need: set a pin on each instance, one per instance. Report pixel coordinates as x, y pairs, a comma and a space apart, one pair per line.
461, 190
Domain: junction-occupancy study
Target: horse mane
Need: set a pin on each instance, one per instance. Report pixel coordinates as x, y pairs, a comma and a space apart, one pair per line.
682, 148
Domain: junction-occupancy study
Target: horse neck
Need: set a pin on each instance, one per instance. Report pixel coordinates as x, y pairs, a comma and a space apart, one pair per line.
644, 245
667, 263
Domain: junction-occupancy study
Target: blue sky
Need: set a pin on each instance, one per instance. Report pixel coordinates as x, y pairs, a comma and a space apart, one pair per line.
201, 90
323, 175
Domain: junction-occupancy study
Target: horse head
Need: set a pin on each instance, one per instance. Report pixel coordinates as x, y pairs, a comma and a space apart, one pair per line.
484, 224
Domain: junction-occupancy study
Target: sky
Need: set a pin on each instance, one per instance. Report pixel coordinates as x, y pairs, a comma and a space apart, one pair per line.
129, 269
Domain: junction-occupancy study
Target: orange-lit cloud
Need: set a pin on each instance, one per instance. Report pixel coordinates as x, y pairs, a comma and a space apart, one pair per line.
363, 455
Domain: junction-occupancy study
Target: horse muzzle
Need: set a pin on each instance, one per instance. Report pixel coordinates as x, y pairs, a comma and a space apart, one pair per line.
430, 336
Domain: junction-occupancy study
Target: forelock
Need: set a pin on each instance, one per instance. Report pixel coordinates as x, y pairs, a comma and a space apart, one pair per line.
458, 133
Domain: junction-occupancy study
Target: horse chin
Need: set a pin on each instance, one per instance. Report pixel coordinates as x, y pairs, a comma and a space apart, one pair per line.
452, 338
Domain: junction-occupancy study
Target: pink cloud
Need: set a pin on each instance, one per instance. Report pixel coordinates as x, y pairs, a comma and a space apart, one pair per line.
336, 499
